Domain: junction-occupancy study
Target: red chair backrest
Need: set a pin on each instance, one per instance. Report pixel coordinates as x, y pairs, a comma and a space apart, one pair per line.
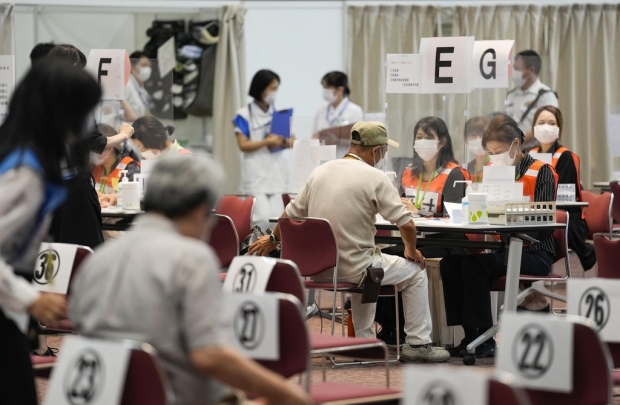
145, 382
286, 199
81, 254
597, 212
591, 373
503, 394
559, 235
239, 209
294, 342
224, 239
615, 208
614, 350
285, 279
607, 252
310, 243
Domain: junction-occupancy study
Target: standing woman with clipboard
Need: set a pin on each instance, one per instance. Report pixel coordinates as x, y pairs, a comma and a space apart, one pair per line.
264, 172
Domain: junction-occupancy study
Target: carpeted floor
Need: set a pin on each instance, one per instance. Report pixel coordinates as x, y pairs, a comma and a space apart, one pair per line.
369, 375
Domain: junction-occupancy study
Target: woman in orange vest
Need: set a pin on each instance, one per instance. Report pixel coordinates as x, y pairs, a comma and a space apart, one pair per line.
430, 178
152, 138
473, 136
548, 124
466, 278
108, 165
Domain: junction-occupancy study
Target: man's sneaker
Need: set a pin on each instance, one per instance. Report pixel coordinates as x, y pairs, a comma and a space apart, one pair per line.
423, 354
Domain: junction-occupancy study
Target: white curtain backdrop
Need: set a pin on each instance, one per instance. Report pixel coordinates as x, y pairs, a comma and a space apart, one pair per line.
7, 40
229, 93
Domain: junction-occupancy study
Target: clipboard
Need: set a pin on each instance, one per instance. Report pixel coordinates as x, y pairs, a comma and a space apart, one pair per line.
281, 123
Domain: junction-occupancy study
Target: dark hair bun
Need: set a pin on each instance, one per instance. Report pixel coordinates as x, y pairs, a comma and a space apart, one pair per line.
170, 130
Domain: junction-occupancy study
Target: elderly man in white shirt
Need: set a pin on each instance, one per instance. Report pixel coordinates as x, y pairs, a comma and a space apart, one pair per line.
529, 93
159, 284
350, 192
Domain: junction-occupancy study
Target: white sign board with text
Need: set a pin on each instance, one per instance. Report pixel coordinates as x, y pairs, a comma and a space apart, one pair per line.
402, 73
538, 350
7, 83
53, 267
88, 371
443, 385
491, 61
596, 299
108, 68
166, 57
248, 274
446, 65
255, 321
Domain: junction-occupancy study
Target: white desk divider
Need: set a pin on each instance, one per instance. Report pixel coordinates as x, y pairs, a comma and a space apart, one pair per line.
596, 298
255, 321
88, 372
538, 350
444, 385
53, 267
249, 274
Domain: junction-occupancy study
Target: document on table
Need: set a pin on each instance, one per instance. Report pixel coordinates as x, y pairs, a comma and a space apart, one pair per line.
304, 162
498, 174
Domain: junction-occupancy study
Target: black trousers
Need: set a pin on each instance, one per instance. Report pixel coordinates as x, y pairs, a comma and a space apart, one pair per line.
467, 279
16, 375
577, 235
78, 220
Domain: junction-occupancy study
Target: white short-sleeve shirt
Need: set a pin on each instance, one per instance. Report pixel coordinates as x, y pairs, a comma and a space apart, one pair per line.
519, 101
345, 113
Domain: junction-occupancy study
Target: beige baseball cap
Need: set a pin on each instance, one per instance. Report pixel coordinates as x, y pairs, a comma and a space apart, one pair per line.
372, 133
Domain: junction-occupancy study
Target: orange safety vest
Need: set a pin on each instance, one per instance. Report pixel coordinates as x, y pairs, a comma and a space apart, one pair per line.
529, 178
554, 163
114, 174
434, 193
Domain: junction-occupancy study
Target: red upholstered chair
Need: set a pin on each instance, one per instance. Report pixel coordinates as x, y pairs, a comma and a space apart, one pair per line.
614, 349
607, 255
65, 326
295, 359
615, 206
561, 253
592, 363
239, 208
286, 199
42, 365
224, 240
503, 394
598, 212
145, 382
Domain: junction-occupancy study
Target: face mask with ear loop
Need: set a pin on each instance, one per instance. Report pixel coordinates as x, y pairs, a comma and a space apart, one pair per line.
504, 159
381, 164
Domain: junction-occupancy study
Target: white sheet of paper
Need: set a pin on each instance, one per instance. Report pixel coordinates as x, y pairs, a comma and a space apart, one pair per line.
599, 300
88, 371
304, 161
444, 385
255, 324
451, 207
446, 65
327, 153
613, 134
498, 174
53, 267
545, 157
430, 198
166, 57
7, 83
538, 350
249, 274
109, 72
402, 73
502, 192
490, 64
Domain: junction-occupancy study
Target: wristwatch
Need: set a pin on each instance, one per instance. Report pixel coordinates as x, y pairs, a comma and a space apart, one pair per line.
273, 239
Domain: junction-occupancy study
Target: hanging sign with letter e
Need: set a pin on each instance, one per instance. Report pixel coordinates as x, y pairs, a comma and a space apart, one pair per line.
446, 65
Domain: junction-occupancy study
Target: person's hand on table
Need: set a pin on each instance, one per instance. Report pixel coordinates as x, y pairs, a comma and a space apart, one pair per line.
415, 257
126, 130
108, 200
409, 205
49, 307
262, 247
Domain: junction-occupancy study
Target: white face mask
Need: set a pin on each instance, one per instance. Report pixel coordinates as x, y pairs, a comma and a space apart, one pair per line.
329, 95
270, 98
517, 79
546, 133
503, 159
150, 155
475, 147
95, 159
145, 73
426, 148
381, 163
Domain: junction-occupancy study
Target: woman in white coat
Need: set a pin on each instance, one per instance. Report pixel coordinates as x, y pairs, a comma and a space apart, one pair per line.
339, 110
264, 173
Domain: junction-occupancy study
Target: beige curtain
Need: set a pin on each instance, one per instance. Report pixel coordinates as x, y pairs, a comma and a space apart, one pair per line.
6, 30
229, 92
579, 46
374, 32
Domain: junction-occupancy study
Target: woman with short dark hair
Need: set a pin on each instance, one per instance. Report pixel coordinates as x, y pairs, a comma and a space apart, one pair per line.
264, 172
339, 110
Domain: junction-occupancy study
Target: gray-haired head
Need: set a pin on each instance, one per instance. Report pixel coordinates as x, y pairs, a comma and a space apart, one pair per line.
180, 183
